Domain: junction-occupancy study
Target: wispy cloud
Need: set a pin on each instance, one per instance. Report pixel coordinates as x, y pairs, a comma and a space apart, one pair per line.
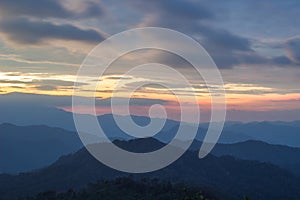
14, 57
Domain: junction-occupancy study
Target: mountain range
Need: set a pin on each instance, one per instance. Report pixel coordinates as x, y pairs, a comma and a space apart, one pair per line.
40, 150
228, 175
46, 110
26, 148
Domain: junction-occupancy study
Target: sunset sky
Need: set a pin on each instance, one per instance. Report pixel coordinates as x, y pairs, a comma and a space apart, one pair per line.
255, 44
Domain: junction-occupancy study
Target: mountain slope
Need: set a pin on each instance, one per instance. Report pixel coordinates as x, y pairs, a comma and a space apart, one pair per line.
283, 156
32, 147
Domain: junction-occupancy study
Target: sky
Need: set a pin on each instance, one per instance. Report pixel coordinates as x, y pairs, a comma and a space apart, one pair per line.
254, 43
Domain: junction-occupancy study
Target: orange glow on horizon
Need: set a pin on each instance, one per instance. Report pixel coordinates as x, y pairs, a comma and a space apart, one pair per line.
239, 96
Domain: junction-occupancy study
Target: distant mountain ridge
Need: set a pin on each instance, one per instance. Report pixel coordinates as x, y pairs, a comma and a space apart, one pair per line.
45, 110
33, 147
25, 148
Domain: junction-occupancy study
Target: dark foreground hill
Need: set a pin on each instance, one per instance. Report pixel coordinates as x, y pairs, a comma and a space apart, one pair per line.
229, 176
129, 189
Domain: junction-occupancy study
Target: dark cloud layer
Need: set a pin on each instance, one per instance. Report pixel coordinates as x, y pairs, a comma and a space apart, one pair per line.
194, 18
185, 9
176, 9
44, 8
31, 32
224, 39
189, 17
226, 48
293, 49
15, 23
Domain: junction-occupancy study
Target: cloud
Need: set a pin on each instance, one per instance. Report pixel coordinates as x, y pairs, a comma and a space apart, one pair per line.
57, 82
35, 22
116, 77
224, 39
178, 9
16, 58
293, 49
42, 84
282, 61
46, 8
197, 20
46, 87
191, 17
132, 102
13, 82
23, 99
24, 31
185, 9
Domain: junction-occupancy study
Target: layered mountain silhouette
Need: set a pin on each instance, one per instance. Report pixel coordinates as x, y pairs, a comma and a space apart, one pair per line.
230, 176
45, 110
26, 148
260, 159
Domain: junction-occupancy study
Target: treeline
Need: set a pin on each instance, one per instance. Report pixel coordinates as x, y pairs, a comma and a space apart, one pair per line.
129, 189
